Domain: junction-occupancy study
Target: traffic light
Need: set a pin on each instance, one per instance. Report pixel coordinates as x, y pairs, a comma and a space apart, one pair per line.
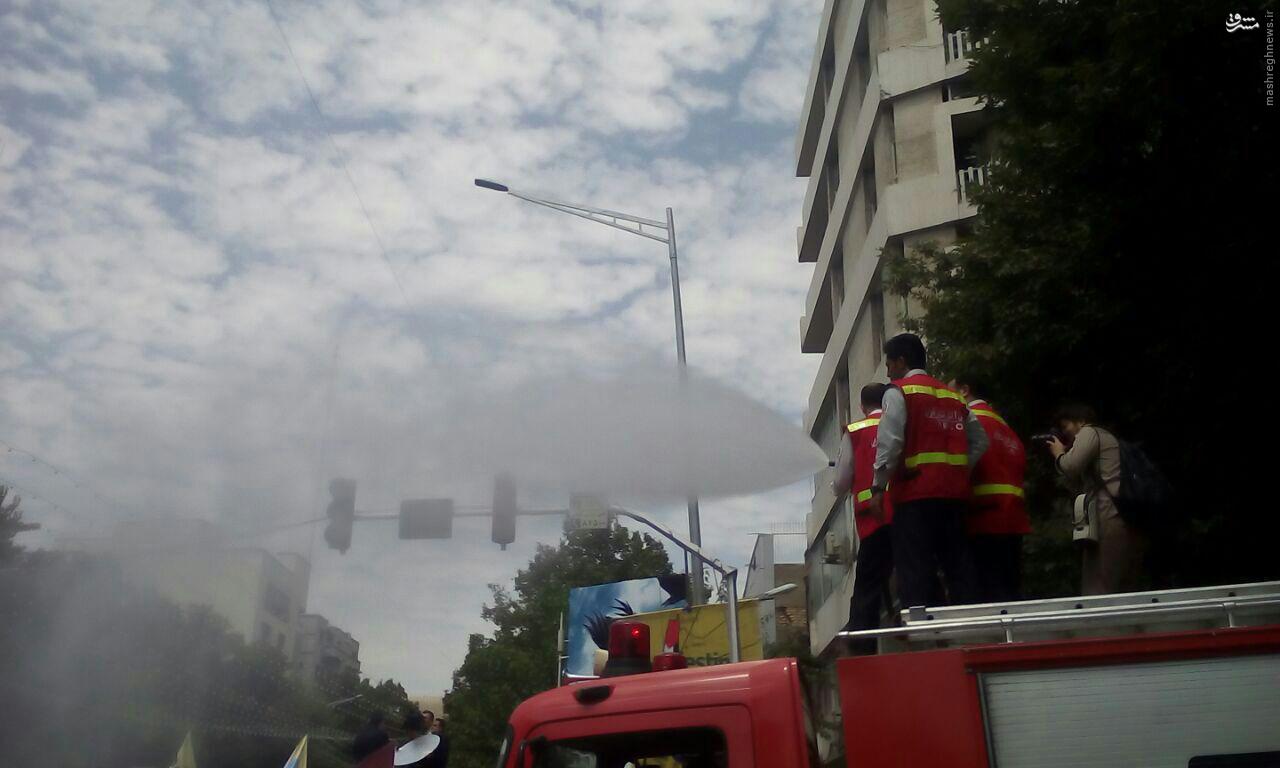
426, 519
504, 510
342, 514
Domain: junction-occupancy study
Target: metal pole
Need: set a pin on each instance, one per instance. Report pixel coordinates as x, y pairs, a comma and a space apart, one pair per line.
560, 651
732, 622
698, 597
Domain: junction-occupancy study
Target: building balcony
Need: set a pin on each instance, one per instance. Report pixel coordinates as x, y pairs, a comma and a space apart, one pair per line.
960, 45
968, 179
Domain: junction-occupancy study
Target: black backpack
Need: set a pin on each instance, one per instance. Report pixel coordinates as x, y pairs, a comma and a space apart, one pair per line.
1145, 495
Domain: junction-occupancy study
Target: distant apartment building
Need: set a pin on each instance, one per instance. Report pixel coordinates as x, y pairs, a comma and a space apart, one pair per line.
433, 703
192, 562
323, 650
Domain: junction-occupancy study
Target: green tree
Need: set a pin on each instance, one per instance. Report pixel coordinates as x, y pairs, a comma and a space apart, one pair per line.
11, 524
519, 660
1132, 181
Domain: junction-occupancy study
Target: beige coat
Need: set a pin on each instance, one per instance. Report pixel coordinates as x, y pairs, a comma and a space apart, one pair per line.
1115, 562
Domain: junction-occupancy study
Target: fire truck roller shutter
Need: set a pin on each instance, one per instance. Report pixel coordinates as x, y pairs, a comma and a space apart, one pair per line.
1151, 715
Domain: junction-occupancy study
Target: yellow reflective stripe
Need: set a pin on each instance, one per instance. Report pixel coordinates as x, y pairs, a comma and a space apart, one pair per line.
989, 414
937, 457
925, 389
858, 425
997, 489
863, 496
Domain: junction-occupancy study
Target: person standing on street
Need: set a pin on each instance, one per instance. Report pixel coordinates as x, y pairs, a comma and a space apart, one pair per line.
370, 738
854, 476
997, 518
1092, 465
419, 748
926, 444
439, 757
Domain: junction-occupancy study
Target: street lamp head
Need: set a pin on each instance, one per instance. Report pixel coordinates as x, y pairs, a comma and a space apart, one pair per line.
486, 184
778, 590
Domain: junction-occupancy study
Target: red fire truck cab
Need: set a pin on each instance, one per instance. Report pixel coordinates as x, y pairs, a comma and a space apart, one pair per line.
1127, 696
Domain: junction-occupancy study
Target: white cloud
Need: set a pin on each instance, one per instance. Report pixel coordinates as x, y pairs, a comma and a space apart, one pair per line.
775, 88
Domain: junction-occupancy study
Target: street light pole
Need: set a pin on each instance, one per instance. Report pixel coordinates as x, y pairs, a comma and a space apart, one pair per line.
695, 518
665, 233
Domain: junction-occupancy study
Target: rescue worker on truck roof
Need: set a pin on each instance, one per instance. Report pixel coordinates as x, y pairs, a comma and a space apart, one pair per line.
997, 518
926, 444
854, 475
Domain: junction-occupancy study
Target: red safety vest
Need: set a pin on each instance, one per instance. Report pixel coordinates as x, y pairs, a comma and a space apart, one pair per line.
863, 436
935, 453
998, 505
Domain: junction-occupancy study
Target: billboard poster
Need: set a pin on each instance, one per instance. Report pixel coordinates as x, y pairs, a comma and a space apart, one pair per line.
593, 609
704, 635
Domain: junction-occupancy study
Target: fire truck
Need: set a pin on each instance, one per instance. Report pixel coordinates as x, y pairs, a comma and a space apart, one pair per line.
1187, 678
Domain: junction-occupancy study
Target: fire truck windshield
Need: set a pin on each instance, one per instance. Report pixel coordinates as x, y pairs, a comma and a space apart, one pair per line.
686, 748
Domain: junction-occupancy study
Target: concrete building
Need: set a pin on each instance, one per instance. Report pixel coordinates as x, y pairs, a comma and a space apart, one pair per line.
323, 650
433, 703
889, 138
192, 562
788, 618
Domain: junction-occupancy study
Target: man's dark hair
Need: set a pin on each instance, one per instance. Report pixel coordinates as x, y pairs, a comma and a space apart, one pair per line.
415, 721
976, 382
873, 395
907, 346
1078, 412
429, 713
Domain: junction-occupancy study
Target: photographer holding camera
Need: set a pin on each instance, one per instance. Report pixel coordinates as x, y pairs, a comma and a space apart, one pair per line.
1111, 562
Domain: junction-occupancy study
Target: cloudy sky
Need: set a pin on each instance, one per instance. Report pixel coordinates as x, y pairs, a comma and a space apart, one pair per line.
198, 318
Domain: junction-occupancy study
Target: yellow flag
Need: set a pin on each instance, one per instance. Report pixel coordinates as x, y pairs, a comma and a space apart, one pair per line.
299, 757
186, 755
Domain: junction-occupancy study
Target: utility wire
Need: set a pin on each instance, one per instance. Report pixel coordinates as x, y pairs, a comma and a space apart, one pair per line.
65, 474
342, 160
29, 494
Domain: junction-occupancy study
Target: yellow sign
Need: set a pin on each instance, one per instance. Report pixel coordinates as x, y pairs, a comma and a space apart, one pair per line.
704, 635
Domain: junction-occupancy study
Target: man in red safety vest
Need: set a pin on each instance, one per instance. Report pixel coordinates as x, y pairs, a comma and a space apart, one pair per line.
926, 444
854, 474
997, 518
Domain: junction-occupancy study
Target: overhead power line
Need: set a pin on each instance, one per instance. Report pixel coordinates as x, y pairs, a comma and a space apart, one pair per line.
67, 475
342, 160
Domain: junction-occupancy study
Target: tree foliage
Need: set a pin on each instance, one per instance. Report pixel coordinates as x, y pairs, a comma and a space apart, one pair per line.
1115, 253
519, 659
95, 671
11, 523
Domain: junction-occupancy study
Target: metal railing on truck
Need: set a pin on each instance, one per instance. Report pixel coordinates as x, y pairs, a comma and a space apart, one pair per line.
1076, 617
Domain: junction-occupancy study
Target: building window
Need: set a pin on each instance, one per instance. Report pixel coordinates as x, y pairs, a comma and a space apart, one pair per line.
827, 70
877, 324
837, 282
276, 602
869, 193
832, 174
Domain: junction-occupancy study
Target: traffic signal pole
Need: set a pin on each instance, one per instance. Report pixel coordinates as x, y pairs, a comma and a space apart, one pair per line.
696, 552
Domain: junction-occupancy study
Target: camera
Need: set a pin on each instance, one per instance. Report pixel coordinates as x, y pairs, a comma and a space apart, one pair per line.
1045, 437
